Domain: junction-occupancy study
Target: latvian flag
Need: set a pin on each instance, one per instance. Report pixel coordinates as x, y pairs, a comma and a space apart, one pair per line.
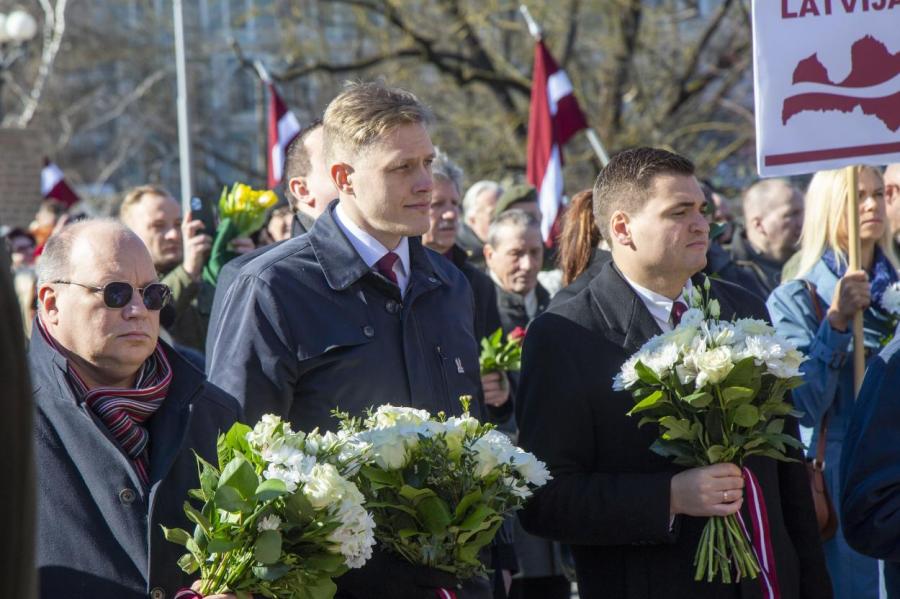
283, 128
53, 185
555, 118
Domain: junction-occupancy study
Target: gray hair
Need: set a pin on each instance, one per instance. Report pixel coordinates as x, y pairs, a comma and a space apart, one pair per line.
446, 169
510, 219
756, 198
470, 200
54, 263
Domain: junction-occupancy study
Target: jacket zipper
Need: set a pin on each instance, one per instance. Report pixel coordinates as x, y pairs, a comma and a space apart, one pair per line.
442, 361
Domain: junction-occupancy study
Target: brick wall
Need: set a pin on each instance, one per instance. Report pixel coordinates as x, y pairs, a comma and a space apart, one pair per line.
20, 176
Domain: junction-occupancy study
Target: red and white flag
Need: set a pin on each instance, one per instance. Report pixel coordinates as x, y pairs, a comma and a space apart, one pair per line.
53, 184
555, 118
283, 128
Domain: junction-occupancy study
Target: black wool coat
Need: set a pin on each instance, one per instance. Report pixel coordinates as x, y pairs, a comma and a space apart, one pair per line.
98, 532
609, 497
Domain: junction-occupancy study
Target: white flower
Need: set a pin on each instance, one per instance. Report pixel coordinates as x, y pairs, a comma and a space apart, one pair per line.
714, 309
662, 359
627, 376
387, 415
492, 450
264, 431
355, 536
532, 469
269, 523
390, 446
691, 318
323, 486
753, 326
289, 476
890, 300
713, 365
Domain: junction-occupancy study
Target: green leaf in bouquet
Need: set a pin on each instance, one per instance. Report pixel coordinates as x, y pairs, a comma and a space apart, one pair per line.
645, 374
477, 517
466, 502
742, 375
322, 588
270, 573
270, 489
228, 499
267, 548
209, 478
677, 428
700, 399
298, 509
239, 475
713, 425
178, 536
188, 563
775, 426
381, 478
415, 495
737, 395
197, 518
746, 415
406, 533
200, 538
236, 437
469, 551
682, 452
392, 506
434, 514
715, 454
648, 403
221, 545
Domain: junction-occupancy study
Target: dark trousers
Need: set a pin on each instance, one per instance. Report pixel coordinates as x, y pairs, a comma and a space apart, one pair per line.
545, 587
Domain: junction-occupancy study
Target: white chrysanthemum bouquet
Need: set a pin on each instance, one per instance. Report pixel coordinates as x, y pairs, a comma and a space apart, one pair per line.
716, 390
280, 517
440, 487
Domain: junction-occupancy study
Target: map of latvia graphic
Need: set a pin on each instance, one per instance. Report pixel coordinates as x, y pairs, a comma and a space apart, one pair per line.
872, 65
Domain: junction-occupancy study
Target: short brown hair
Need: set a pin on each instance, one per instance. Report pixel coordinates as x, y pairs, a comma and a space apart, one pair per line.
297, 162
134, 195
624, 182
364, 112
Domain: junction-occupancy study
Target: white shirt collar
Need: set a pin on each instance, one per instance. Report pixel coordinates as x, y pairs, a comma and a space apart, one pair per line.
370, 249
659, 306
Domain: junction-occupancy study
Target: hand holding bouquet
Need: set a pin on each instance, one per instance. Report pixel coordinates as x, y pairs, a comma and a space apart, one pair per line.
440, 487
279, 517
716, 390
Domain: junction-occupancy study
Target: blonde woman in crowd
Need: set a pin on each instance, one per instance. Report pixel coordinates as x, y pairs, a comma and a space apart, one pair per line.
815, 310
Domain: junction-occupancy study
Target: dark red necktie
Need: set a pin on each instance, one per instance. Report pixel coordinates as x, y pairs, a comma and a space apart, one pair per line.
385, 266
678, 309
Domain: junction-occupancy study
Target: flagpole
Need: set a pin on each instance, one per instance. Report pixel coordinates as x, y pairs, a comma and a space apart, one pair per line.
535, 30
184, 122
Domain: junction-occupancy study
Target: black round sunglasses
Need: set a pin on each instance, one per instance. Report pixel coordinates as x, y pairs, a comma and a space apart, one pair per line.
117, 294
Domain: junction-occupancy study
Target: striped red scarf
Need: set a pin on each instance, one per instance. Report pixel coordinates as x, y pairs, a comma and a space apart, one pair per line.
124, 411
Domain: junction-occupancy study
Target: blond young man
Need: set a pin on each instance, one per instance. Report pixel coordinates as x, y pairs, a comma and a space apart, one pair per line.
357, 312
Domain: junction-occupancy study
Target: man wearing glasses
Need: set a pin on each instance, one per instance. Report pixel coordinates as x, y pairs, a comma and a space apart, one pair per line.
119, 415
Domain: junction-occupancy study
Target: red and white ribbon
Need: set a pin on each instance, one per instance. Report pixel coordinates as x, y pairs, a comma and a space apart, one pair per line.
445, 594
762, 537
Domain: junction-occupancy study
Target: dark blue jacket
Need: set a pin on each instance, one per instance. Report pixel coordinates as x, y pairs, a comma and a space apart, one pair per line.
870, 467
99, 531
307, 327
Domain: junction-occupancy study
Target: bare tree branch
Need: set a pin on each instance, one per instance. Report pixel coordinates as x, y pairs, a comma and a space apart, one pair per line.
54, 29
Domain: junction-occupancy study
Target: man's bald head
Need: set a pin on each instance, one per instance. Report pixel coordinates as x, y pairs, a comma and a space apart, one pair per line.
106, 345
773, 217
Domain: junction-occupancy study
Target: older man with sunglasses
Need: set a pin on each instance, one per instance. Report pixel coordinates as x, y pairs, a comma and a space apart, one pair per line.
119, 418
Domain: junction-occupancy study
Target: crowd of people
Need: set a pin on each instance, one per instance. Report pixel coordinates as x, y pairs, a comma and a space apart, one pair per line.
375, 283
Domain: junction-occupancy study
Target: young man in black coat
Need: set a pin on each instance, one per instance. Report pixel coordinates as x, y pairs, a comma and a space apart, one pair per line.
356, 313
632, 517
119, 420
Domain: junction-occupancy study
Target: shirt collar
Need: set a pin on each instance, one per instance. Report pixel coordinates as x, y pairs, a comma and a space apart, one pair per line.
659, 306
369, 249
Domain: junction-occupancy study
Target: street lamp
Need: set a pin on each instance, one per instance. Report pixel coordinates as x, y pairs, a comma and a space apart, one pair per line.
16, 30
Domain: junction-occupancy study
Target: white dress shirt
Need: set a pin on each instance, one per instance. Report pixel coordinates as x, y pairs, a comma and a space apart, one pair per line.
660, 306
371, 250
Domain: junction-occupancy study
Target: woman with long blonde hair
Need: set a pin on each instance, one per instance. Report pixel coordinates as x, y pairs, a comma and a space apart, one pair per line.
815, 311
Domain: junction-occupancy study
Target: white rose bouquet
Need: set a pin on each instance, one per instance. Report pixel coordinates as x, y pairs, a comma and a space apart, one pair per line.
280, 518
890, 304
440, 487
716, 390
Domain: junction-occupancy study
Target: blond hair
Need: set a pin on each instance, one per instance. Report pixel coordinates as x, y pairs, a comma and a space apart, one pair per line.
824, 213
134, 195
365, 111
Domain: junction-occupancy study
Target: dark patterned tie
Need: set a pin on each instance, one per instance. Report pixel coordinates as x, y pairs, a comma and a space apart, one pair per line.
385, 266
678, 309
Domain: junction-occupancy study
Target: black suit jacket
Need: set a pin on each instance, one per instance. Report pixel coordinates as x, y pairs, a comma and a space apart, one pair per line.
609, 496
